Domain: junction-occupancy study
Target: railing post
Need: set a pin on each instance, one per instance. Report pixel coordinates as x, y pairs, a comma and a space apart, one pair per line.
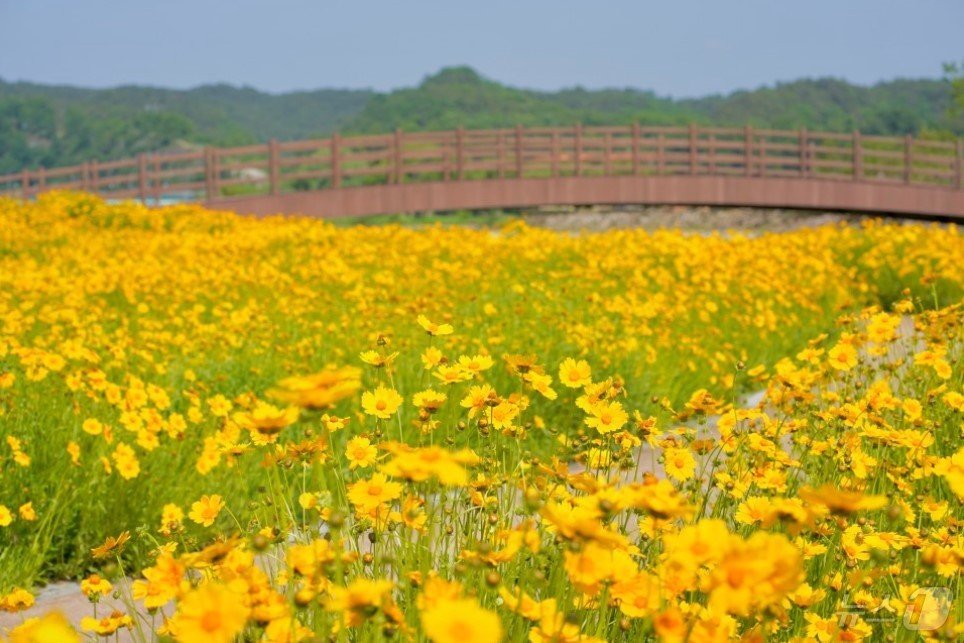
747, 150
142, 177
960, 164
711, 152
335, 160
208, 175
554, 159
274, 167
908, 157
635, 138
518, 151
93, 168
459, 153
607, 154
41, 179
398, 159
803, 152
85, 176
25, 184
500, 154
857, 157
660, 153
158, 180
577, 144
692, 148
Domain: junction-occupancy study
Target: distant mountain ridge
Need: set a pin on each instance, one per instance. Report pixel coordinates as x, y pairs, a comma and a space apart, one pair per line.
56, 125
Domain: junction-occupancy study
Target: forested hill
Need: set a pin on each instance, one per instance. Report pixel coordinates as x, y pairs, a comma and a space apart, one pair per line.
57, 125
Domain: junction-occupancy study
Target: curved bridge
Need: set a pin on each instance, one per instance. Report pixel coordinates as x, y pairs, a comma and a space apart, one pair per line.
519, 167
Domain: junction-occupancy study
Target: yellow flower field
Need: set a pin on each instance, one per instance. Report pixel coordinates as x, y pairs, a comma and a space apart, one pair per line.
281, 429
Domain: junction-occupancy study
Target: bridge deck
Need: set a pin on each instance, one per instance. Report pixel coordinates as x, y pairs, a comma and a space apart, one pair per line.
904, 200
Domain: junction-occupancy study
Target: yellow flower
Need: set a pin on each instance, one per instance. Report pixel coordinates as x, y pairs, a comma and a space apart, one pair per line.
360, 453
52, 627
420, 464
107, 625
321, 390
434, 329
111, 544
842, 357
6, 517
607, 417
92, 426
461, 621
381, 402
220, 406
17, 600
952, 470
575, 374
210, 614
171, 518
267, 419
205, 511
27, 512
369, 494
841, 501
94, 586
679, 463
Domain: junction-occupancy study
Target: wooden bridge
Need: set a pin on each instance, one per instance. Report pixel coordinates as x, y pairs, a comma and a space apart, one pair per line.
520, 167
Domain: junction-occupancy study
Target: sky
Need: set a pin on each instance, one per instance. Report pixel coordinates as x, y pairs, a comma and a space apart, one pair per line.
680, 48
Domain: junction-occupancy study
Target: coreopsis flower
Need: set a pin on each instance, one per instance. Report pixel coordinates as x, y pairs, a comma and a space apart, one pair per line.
321, 390
376, 359
205, 511
842, 357
841, 501
607, 417
952, 470
266, 420
27, 512
461, 620
382, 402
360, 452
211, 613
52, 627
125, 461
475, 364
6, 517
111, 545
575, 374
172, 517
94, 586
16, 600
92, 426
371, 493
107, 625
679, 463
163, 582
434, 329
420, 464
638, 594
452, 374
429, 400
361, 599
220, 406
595, 564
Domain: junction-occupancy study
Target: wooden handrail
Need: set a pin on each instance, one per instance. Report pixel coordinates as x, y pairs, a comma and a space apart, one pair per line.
401, 157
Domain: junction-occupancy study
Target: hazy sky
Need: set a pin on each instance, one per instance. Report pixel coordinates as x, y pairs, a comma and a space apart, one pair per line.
682, 48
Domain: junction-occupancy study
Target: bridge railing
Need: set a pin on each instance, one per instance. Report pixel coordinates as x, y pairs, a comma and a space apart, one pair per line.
212, 173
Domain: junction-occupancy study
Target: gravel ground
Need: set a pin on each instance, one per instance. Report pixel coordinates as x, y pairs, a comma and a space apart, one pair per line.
704, 219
